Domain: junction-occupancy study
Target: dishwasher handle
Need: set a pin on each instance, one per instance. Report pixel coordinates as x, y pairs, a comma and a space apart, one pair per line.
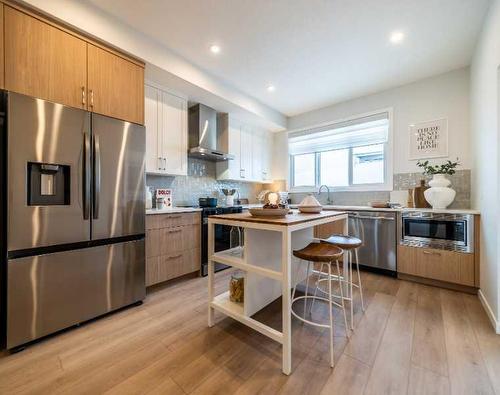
357, 216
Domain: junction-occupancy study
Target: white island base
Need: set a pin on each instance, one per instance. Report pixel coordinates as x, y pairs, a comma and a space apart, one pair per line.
268, 265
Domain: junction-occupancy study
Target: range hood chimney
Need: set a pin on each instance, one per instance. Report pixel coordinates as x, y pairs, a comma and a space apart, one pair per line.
204, 140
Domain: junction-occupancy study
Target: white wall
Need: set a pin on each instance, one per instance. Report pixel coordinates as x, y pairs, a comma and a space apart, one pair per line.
485, 173
442, 96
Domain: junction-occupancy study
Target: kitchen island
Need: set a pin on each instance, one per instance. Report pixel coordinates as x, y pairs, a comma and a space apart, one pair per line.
267, 263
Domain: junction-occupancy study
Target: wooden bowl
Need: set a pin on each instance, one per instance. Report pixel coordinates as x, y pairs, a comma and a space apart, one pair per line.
379, 204
268, 212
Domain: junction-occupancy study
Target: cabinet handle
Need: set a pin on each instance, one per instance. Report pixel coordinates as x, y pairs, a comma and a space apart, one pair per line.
164, 163
174, 216
91, 93
432, 253
242, 173
175, 231
174, 256
159, 167
83, 96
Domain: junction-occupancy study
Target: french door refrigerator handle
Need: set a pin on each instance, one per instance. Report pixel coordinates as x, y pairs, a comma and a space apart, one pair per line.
86, 176
96, 177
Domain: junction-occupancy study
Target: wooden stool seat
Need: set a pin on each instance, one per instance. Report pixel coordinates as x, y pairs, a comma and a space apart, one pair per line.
343, 241
319, 252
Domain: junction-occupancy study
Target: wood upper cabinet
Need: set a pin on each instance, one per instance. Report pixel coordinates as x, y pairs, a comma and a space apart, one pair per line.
43, 61
115, 85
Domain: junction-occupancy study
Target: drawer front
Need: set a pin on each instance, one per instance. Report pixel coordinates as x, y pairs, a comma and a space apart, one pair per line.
171, 240
152, 265
170, 266
152, 242
159, 221
192, 260
448, 266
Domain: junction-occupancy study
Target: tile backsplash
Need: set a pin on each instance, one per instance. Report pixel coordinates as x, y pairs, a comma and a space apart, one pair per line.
200, 182
460, 182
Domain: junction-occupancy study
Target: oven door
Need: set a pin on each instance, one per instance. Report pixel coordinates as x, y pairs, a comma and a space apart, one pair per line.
225, 237
447, 232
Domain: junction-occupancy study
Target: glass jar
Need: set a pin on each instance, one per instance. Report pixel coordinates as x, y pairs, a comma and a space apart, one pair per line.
237, 287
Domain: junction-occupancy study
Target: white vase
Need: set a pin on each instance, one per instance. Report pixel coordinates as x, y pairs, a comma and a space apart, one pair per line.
439, 195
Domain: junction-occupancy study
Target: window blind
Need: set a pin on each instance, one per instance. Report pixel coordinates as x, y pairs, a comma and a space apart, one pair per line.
373, 129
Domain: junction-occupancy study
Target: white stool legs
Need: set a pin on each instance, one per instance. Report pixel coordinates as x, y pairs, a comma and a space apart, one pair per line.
331, 302
347, 282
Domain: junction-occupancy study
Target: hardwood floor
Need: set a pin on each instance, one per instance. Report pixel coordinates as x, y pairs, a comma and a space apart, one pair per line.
412, 339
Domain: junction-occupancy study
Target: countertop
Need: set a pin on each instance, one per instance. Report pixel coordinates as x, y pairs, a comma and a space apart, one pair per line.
172, 210
291, 219
368, 208
175, 210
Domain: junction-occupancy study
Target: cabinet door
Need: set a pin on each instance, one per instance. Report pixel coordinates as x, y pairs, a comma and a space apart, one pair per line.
234, 165
116, 86
174, 126
267, 150
154, 163
246, 153
258, 149
449, 266
43, 61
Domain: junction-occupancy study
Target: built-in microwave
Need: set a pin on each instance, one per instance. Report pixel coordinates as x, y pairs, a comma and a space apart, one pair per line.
445, 231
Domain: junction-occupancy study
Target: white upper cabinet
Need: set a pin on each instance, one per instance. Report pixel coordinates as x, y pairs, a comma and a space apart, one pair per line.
257, 149
246, 149
166, 132
152, 105
251, 148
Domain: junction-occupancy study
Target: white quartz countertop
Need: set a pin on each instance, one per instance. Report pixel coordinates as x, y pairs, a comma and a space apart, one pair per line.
172, 210
368, 208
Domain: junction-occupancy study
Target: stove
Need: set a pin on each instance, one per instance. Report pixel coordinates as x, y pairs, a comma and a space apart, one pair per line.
225, 237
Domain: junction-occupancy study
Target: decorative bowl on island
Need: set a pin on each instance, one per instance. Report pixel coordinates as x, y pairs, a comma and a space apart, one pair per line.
270, 210
310, 205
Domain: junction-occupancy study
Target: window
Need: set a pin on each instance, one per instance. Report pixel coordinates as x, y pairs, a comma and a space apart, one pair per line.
351, 155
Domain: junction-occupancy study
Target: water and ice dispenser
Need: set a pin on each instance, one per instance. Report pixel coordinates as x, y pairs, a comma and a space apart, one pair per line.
48, 184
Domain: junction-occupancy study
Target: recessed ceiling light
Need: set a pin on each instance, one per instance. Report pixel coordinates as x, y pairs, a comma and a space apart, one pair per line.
271, 88
214, 48
397, 37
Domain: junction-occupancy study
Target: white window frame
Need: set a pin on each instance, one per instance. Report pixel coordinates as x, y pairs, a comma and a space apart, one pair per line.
387, 185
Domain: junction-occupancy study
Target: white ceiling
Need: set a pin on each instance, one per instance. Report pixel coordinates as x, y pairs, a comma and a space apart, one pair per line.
316, 52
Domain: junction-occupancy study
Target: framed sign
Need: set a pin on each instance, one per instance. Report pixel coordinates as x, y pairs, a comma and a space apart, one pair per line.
429, 139
166, 194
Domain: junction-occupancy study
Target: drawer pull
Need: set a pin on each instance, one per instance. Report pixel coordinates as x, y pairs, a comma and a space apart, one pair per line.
174, 216
175, 231
432, 253
174, 256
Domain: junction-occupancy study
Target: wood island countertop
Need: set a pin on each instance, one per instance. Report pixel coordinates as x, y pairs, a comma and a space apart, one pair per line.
294, 218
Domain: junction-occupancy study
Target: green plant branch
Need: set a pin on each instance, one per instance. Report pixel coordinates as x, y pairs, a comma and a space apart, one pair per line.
447, 168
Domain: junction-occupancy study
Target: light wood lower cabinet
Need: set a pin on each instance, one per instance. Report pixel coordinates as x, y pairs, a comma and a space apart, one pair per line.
329, 229
448, 266
173, 246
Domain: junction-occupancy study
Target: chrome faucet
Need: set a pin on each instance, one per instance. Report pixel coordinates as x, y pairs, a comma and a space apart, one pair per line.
328, 200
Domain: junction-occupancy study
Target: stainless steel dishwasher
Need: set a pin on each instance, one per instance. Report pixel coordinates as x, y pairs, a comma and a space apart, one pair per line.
377, 230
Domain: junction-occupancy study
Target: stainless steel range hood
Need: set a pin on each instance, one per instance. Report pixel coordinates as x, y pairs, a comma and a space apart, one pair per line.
204, 141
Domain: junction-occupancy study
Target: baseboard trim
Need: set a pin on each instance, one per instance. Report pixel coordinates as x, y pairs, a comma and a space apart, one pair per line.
489, 312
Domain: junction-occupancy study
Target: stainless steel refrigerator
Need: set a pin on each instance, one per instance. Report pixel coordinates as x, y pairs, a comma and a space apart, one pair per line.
72, 216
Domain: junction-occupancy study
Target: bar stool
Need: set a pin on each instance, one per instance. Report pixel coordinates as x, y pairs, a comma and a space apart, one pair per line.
327, 254
348, 244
